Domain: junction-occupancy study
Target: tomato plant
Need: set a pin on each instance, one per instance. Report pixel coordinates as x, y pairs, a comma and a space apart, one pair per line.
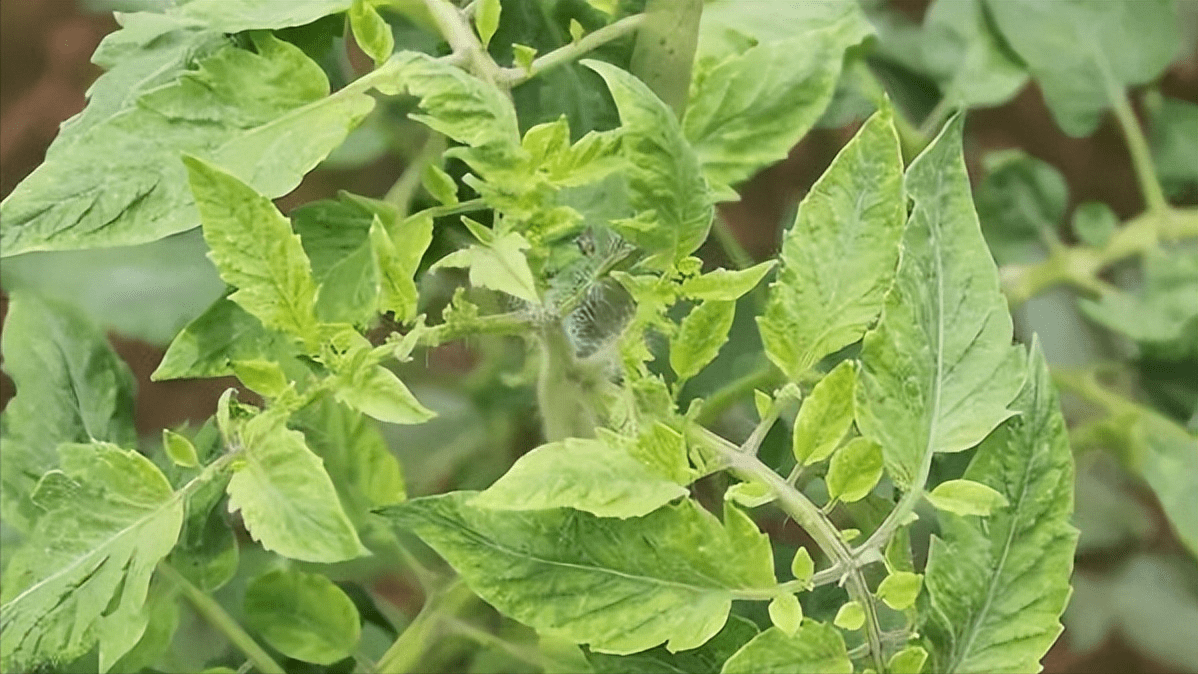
564, 163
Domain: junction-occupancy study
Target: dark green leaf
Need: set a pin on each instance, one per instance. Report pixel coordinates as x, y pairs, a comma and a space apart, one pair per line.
303, 615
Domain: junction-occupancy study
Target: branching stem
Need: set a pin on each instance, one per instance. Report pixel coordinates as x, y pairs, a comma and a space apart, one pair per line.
562, 55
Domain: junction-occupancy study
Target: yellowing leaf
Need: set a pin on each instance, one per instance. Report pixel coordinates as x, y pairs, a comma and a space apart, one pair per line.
499, 265
371, 32
786, 613
854, 470
900, 589
825, 416
815, 648
377, 392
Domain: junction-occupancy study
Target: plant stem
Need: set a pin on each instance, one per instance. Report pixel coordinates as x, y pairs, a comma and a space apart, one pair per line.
570, 52
736, 253
461, 38
404, 190
764, 377
1137, 146
216, 616
409, 648
512, 323
815, 523
1079, 265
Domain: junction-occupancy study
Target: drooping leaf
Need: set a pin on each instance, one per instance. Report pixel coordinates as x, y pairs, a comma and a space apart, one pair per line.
211, 343
621, 586
825, 415
706, 659
1081, 53
996, 585
816, 648
974, 67
587, 475
702, 332
115, 178
840, 256
747, 110
938, 371
965, 497
255, 251
377, 392
71, 387
286, 498
666, 185
82, 577
303, 615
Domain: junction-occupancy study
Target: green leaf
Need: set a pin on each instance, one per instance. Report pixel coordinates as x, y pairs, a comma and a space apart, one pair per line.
464, 108
486, 19
235, 16
1164, 305
854, 470
1174, 147
1020, 203
908, 661
815, 649
703, 331
439, 185
397, 253
286, 498
71, 387
997, 584
839, 258
664, 52
377, 392
666, 185
206, 553
1081, 53
255, 251
825, 416
162, 608
1094, 222
349, 292
114, 178
179, 449
802, 566
587, 475
147, 292
786, 613
726, 284
966, 497
661, 448
303, 616
938, 371
499, 265
850, 616
748, 110
83, 574
973, 65
900, 589
706, 659
223, 334
371, 32
356, 456
263, 377
749, 494
621, 586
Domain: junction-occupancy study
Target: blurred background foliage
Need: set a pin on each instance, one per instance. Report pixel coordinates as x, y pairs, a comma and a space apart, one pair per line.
1057, 187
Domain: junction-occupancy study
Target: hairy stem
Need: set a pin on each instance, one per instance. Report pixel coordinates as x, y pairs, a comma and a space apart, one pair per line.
218, 617
572, 51
461, 38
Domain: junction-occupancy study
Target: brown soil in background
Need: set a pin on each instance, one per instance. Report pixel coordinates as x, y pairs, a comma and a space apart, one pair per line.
45, 47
